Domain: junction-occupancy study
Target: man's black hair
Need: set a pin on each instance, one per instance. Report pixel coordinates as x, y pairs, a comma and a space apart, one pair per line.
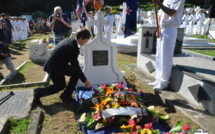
83, 33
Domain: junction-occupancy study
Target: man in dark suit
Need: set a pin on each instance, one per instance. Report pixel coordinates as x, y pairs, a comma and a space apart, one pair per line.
57, 66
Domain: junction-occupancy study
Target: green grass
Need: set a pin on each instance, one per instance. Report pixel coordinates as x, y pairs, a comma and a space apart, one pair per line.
19, 126
204, 37
30, 72
205, 52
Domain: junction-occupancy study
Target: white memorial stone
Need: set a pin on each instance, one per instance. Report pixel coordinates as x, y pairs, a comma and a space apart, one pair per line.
122, 19
76, 25
100, 57
38, 52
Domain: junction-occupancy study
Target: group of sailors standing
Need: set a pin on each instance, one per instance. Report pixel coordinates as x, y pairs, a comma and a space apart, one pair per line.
188, 22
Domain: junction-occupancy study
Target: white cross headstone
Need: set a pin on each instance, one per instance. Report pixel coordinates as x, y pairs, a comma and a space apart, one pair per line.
122, 19
100, 57
38, 52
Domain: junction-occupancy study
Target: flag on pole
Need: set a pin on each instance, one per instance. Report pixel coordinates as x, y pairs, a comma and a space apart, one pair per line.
78, 8
83, 15
131, 18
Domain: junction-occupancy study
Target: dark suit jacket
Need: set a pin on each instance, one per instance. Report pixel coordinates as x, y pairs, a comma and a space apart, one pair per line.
65, 52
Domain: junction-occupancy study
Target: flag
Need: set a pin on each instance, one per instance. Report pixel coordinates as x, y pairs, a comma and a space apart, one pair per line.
131, 18
78, 8
83, 15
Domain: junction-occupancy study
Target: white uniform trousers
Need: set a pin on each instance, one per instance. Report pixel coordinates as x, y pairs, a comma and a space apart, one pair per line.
164, 55
9, 64
199, 27
108, 32
191, 27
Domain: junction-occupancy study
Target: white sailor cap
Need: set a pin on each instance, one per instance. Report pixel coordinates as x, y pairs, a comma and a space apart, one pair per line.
108, 7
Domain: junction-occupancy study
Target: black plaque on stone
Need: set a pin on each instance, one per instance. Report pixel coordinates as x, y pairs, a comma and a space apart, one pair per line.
150, 67
100, 58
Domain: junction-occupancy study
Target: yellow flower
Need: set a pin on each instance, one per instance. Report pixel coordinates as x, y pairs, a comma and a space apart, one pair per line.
98, 107
104, 102
114, 105
126, 127
82, 118
146, 131
109, 91
132, 97
151, 108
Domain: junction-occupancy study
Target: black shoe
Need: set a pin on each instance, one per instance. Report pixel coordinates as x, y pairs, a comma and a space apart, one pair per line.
36, 97
65, 98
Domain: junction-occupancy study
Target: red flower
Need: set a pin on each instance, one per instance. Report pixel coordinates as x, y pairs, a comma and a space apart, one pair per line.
97, 116
132, 122
130, 89
120, 85
168, 133
104, 87
110, 120
186, 127
148, 126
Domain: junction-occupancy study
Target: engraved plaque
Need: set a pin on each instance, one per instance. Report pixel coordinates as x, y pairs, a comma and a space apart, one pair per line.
100, 58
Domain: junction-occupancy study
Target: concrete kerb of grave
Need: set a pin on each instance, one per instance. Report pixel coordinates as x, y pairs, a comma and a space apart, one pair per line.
3, 125
198, 54
43, 82
37, 119
7, 78
17, 106
175, 101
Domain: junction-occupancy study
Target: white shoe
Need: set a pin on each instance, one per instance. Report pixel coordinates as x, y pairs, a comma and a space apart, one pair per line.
153, 84
160, 87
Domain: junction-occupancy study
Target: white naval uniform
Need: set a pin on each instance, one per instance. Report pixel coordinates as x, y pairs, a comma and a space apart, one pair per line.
20, 29
108, 28
117, 18
191, 21
167, 40
184, 22
14, 32
200, 20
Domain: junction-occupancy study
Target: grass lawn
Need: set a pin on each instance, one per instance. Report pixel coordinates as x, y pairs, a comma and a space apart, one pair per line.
205, 52
204, 37
30, 72
60, 118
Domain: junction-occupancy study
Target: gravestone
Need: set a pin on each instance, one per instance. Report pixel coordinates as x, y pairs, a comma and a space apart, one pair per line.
147, 40
100, 57
122, 19
38, 52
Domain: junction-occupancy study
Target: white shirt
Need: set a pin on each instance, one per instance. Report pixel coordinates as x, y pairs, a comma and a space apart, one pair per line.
176, 19
192, 18
201, 17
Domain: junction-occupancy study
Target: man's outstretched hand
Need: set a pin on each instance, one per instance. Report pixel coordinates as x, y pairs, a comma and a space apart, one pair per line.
88, 84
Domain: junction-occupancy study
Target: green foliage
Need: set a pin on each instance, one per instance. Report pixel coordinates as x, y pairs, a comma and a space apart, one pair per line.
113, 11
19, 126
148, 7
177, 127
39, 14
188, 5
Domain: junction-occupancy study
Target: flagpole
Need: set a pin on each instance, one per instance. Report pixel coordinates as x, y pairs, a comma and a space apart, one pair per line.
156, 15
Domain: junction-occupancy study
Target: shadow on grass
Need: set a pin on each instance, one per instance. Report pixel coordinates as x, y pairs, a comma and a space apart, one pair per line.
59, 107
130, 54
18, 78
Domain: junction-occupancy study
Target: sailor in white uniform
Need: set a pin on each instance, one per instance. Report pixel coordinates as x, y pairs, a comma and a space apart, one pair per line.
200, 20
170, 18
108, 28
191, 22
185, 21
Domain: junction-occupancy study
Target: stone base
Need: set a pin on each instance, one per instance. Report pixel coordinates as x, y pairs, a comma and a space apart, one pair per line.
188, 74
